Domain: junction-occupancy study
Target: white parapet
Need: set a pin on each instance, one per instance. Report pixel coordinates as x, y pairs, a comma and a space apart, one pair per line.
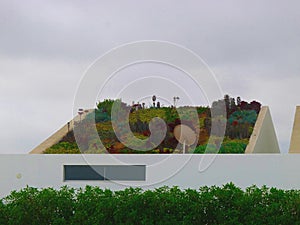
244, 170
295, 139
263, 138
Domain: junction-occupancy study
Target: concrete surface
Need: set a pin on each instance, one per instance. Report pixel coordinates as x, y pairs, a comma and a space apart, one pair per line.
58, 135
263, 138
295, 139
244, 170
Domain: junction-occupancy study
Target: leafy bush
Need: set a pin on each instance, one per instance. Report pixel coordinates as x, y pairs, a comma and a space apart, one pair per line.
103, 110
243, 116
146, 115
101, 116
233, 148
62, 151
36, 207
63, 148
105, 106
3, 216
201, 109
208, 205
227, 147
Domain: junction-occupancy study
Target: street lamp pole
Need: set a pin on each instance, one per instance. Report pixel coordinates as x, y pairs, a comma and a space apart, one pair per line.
80, 112
154, 99
175, 99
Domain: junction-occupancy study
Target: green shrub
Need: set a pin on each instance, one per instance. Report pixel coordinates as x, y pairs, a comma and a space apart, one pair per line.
63, 148
99, 116
94, 206
3, 216
39, 207
208, 205
106, 106
233, 148
243, 116
62, 151
227, 147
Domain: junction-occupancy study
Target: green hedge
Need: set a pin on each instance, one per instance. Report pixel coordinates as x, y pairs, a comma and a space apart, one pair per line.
208, 205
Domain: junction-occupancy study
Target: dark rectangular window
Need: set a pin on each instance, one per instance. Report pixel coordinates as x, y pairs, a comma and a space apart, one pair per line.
83, 172
105, 172
125, 173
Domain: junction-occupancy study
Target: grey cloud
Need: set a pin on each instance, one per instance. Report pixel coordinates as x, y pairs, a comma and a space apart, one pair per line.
231, 31
45, 46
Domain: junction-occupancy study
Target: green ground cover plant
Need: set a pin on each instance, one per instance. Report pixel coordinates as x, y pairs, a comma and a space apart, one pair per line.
63, 147
166, 205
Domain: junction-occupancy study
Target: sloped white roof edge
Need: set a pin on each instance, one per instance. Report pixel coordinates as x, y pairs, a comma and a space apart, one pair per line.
295, 138
58, 135
263, 138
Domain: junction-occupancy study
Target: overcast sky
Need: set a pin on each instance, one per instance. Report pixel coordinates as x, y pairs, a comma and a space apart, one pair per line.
253, 47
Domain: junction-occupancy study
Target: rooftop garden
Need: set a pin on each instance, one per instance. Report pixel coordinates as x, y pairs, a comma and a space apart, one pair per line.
240, 121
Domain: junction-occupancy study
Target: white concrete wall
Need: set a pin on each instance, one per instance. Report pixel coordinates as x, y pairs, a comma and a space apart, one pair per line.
295, 139
276, 170
263, 138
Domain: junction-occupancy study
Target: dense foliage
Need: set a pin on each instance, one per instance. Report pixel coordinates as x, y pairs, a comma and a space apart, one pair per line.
63, 147
208, 205
228, 146
241, 118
